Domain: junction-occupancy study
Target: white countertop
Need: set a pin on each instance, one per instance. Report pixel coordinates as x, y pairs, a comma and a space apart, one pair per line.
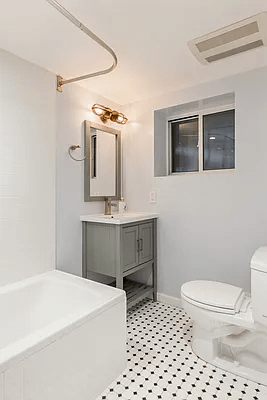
118, 218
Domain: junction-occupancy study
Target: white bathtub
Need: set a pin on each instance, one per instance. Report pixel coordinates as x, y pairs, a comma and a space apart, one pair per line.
61, 338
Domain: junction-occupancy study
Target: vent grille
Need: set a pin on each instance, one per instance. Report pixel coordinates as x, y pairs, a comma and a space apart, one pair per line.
228, 37
234, 39
237, 50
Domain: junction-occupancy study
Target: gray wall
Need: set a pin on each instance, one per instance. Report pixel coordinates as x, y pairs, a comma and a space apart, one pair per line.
210, 223
73, 107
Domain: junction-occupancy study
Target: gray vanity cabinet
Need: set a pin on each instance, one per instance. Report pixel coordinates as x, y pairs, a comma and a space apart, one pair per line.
120, 250
145, 242
130, 247
137, 245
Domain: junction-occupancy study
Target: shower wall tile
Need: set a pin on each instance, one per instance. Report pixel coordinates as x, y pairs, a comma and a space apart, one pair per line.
27, 169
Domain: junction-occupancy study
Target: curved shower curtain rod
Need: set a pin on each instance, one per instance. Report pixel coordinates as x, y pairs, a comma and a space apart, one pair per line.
75, 21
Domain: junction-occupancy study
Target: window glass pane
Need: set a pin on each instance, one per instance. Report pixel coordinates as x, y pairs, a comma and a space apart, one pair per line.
219, 140
184, 136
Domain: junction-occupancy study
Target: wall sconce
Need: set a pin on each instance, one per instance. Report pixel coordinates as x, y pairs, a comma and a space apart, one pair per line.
105, 113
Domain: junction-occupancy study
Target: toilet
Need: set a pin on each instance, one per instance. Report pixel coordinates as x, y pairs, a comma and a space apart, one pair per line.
230, 326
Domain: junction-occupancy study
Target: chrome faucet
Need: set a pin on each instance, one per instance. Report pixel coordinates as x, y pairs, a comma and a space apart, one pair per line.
108, 205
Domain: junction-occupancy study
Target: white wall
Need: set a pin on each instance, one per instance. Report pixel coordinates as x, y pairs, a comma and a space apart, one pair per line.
210, 223
27, 169
73, 107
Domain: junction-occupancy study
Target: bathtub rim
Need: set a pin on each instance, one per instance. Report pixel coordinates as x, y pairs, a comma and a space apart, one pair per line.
27, 346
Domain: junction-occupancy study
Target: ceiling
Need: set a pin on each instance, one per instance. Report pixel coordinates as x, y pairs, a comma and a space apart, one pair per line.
149, 37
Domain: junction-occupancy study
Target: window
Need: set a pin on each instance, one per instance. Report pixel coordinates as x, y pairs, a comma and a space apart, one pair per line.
203, 142
184, 139
219, 140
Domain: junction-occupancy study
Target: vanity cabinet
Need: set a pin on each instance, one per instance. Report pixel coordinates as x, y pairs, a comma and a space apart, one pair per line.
120, 249
137, 245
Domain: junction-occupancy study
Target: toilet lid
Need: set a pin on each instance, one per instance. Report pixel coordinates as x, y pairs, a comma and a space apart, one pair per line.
217, 296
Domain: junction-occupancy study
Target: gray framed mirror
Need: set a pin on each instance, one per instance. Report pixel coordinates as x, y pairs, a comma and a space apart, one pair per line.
102, 166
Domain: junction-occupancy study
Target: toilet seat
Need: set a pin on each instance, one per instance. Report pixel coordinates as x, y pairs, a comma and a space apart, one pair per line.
214, 296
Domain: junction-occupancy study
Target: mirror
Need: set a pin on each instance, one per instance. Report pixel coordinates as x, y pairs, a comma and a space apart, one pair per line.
102, 167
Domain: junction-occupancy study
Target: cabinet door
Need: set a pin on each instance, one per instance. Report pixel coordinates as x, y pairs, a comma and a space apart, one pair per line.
130, 247
146, 242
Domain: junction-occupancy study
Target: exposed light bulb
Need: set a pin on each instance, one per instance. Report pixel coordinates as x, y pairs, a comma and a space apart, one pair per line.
212, 137
98, 111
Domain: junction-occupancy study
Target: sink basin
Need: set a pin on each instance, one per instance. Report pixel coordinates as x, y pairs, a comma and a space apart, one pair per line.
118, 218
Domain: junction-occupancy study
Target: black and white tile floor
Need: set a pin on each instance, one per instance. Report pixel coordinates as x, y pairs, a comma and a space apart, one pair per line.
161, 364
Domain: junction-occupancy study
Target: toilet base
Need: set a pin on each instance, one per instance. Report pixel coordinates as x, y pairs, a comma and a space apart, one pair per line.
243, 372
233, 343
246, 362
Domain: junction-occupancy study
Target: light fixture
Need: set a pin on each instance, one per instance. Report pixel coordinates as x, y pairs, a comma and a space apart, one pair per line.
106, 113
212, 137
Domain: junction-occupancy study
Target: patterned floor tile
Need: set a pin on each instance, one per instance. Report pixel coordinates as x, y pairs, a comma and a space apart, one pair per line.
161, 364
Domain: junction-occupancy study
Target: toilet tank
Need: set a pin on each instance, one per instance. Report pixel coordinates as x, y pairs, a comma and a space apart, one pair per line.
258, 266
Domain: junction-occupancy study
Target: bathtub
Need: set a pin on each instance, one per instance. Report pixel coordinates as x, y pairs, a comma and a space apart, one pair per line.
61, 338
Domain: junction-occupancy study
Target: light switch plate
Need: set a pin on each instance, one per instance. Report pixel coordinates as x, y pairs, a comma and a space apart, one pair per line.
153, 197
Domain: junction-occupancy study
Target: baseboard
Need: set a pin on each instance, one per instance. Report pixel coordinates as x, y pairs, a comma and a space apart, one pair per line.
172, 301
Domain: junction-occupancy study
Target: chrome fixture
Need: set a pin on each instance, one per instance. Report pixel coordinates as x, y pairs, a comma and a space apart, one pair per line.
108, 205
72, 148
106, 113
75, 21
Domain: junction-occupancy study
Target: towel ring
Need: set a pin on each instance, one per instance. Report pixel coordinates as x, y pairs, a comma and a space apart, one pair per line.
72, 148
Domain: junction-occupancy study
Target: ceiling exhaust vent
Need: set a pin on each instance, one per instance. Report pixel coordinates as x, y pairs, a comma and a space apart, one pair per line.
249, 34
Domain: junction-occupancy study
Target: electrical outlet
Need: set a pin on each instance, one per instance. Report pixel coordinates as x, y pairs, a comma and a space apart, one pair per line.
153, 197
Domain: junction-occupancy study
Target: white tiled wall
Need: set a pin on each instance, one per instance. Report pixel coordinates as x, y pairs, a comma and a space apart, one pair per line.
27, 169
